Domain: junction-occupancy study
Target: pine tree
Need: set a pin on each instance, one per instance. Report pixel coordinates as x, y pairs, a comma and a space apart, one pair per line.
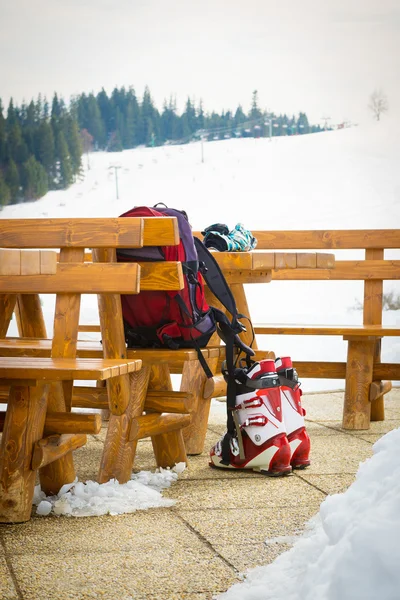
74, 144
5, 195
12, 180
255, 112
64, 168
45, 150
95, 124
2, 135
34, 179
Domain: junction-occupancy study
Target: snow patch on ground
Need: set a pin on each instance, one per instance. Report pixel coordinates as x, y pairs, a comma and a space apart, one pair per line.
92, 499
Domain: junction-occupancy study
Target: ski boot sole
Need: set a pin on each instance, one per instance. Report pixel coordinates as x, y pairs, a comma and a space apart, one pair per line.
259, 470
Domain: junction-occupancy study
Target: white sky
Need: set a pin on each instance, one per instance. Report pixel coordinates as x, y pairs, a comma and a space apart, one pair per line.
321, 57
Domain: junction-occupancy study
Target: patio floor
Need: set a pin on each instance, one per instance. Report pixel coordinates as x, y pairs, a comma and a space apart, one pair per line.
199, 547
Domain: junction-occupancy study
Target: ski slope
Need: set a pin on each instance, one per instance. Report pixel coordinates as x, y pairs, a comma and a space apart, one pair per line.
344, 179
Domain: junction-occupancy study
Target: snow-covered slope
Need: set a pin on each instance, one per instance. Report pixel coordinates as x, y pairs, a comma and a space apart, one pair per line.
346, 179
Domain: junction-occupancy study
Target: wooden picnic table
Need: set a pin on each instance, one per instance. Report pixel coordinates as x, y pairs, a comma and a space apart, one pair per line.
38, 390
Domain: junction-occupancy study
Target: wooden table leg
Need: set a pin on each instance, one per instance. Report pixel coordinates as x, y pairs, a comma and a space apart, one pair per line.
243, 308
359, 369
23, 426
169, 448
119, 451
65, 337
193, 380
7, 305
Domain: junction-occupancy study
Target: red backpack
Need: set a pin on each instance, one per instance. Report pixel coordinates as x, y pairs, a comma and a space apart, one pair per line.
179, 319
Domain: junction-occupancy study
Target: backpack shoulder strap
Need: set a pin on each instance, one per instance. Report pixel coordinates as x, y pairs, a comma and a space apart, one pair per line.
215, 278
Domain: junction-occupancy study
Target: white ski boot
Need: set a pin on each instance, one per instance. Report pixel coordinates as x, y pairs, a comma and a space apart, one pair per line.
259, 442
293, 413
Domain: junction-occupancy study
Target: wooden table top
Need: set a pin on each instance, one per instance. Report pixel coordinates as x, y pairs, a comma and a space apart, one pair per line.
261, 260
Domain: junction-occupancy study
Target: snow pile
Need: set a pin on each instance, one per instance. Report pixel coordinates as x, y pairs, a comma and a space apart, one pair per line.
93, 499
351, 549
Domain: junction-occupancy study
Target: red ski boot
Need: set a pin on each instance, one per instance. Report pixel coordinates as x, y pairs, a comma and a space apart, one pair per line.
293, 413
259, 439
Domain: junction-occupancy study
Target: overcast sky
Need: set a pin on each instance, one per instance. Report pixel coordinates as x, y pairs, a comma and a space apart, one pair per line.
324, 57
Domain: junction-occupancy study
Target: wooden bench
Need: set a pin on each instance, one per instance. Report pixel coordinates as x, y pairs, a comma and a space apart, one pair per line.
34, 438
364, 372
126, 392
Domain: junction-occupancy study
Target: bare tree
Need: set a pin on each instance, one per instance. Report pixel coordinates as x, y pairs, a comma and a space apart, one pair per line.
378, 103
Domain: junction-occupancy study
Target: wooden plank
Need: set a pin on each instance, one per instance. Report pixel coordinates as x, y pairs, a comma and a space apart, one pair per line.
236, 261
261, 261
54, 447
325, 261
85, 278
306, 260
167, 276
160, 231
63, 369
93, 349
327, 239
348, 270
386, 371
320, 370
345, 330
48, 262
248, 276
10, 261
30, 262
285, 260
91, 328
68, 233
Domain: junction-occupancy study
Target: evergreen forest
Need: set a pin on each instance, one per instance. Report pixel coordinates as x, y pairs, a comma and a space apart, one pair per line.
41, 146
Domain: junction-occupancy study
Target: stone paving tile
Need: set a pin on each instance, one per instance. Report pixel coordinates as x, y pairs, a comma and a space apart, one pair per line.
222, 527
198, 468
246, 556
7, 588
337, 454
126, 533
329, 484
324, 407
155, 570
258, 493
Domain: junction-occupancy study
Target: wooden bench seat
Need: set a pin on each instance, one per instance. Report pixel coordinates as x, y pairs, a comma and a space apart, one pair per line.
64, 369
344, 330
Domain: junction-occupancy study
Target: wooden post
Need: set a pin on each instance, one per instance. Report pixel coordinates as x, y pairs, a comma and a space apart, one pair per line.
29, 316
119, 451
243, 308
193, 380
169, 448
7, 305
23, 427
359, 368
372, 315
126, 393
66, 321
